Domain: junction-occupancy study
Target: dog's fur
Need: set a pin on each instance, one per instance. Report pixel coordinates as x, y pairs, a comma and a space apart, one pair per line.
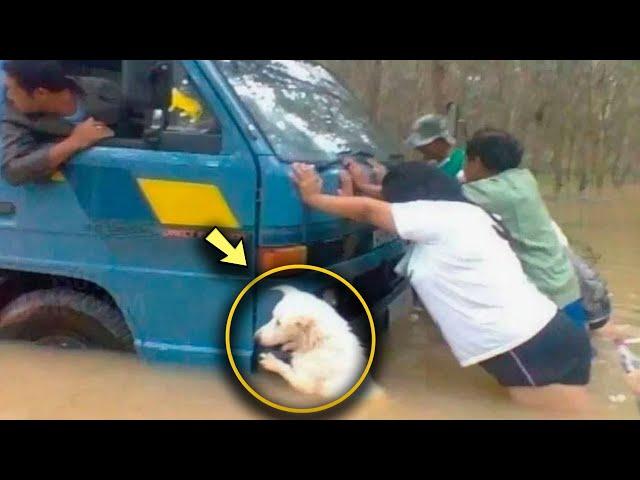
326, 356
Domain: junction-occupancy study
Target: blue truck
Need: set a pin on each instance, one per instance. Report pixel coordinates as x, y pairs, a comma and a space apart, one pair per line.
110, 252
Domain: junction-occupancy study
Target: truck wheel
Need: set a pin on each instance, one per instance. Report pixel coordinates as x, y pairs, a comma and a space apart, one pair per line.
65, 318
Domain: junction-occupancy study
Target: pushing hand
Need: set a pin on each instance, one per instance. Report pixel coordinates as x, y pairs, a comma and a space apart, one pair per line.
379, 170
346, 184
307, 179
358, 174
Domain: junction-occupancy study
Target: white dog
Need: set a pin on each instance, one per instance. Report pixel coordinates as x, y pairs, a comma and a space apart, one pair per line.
326, 356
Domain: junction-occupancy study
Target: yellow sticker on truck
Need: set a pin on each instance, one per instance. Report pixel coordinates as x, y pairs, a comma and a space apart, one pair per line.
188, 203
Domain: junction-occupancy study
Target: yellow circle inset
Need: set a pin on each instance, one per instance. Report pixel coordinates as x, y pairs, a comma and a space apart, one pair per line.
227, 340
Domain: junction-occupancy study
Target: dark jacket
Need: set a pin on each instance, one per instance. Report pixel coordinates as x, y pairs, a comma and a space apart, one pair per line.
26, 139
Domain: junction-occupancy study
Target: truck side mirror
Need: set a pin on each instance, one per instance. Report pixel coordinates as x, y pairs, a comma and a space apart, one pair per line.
152, 134
161, 81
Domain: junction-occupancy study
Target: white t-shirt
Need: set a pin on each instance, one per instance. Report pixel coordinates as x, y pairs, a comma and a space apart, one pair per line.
469, 279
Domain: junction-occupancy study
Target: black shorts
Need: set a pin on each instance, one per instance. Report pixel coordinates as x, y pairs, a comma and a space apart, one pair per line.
559, 354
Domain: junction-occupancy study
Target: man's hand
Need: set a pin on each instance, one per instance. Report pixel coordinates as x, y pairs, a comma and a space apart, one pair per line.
360, 209
379, 170
346, 184
307, 179
89, 133
362, 180
83, 136
358, 174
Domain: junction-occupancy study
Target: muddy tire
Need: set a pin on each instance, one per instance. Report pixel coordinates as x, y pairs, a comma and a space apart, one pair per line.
65, 318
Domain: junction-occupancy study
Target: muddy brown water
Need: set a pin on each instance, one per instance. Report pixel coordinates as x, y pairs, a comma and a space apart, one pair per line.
415, 366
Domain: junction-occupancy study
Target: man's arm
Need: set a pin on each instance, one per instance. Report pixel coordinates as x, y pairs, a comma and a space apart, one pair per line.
419, 221
370, 190
360, 209
362, 180
27, 160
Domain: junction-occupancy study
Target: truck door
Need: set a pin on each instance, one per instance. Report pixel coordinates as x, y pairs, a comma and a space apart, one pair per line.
132, 213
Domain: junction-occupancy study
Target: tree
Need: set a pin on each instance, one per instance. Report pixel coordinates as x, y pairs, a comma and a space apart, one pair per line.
581, 116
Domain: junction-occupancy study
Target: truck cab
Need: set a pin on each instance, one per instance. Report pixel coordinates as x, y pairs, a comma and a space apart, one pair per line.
111, 252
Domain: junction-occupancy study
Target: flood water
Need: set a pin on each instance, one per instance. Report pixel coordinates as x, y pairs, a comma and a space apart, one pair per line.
415, 367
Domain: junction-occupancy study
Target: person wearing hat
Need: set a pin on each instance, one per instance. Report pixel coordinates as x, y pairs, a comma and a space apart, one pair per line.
430, 136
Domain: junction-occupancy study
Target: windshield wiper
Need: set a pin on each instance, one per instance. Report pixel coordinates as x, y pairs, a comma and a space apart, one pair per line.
393, 157
340, 156
356, 153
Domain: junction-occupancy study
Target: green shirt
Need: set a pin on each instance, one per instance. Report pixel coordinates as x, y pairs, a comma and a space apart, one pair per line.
454, 164
514, 196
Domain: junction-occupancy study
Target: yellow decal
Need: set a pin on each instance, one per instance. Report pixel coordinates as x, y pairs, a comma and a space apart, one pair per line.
188, 106
186, 203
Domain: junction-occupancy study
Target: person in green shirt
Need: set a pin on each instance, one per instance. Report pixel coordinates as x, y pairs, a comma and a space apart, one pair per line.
495, 181
431, 137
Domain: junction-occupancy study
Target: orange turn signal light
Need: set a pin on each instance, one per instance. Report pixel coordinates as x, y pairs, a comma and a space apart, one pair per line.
274, 257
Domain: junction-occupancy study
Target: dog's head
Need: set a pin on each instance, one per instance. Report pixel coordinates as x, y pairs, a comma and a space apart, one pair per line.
299, 320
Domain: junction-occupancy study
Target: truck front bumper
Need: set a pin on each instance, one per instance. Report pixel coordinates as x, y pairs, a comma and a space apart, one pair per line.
387, 296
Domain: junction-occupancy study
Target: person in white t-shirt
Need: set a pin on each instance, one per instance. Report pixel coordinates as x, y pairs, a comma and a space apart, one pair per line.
465, 273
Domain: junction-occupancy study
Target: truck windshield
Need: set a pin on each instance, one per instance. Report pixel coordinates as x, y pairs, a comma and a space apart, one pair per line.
305, 112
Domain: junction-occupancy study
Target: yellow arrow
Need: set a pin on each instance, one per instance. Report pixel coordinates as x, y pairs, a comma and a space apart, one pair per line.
234, 255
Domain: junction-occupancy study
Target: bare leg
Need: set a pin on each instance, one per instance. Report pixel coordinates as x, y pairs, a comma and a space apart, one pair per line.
556, 399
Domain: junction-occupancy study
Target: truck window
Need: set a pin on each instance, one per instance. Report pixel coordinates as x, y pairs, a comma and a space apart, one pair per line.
186, 112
